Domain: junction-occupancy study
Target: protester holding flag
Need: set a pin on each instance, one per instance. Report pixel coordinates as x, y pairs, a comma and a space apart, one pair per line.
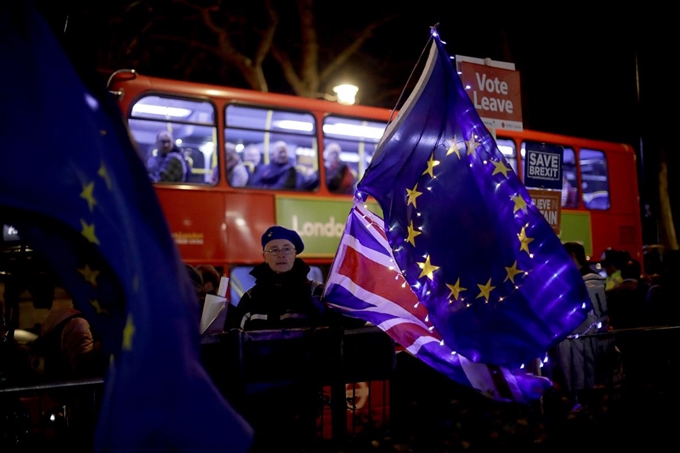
283, 296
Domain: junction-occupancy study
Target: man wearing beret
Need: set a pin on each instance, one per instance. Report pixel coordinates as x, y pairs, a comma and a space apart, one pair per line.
283, 297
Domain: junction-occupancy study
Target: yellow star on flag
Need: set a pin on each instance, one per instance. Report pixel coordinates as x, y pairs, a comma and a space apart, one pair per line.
471, 144
512, 271
412, 195
88, 232
412, 233
524, 241
427, 269
430, 166
98, 307
455, 289
519, 203
104, 175
88, 195
128, 333
455, 148
485, 290
89, 275
500, 168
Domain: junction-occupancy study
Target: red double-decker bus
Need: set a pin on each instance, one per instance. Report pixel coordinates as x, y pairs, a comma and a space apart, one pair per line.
217, 223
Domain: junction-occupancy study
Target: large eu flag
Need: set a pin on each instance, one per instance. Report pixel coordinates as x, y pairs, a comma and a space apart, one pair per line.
496, 281
73, 185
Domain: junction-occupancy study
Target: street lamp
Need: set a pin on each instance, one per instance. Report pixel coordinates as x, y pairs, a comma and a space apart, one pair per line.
346, 93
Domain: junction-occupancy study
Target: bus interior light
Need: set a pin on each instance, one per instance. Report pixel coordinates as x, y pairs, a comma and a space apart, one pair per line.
294, 125
350, 130
149, 109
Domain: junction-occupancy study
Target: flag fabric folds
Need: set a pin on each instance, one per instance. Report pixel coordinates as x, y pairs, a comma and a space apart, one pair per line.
494, 278
73, 185
365, 283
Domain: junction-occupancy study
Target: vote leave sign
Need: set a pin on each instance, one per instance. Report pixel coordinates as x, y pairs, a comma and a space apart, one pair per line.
494, 89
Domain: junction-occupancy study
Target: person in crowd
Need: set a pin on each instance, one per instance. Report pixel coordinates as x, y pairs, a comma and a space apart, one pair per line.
283, 296
211, 278
237, 174
339, 177
169, 163
68, 345
197, 282
628, 299
612, 262
280, 172
580, 364
628, 310
71, 351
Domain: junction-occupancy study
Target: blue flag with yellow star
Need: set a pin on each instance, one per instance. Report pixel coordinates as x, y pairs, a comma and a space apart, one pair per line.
495, 279
74, 187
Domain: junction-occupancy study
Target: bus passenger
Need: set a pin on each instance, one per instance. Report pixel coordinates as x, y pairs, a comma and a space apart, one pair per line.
237, 175
169, 164
339, 177
283, 296
280, 172
252, 160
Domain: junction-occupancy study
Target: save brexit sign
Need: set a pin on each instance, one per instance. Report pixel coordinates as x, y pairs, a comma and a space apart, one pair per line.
543, 165
494, 89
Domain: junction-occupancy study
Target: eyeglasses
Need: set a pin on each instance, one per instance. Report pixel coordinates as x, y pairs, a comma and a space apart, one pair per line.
285, 251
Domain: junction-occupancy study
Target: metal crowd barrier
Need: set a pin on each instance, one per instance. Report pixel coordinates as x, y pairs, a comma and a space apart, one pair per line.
349, 372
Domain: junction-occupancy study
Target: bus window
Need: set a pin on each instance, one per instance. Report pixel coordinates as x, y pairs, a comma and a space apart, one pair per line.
357, 139
270, 132
507, 147
569, 179
191, 123
594, 179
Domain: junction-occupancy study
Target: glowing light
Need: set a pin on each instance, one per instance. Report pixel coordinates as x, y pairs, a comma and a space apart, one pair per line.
161, 110
302, 126
346, 93
352, 130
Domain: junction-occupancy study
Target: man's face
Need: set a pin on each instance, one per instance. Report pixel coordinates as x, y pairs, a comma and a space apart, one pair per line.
164, 143
252, 155
280, 155
275, 257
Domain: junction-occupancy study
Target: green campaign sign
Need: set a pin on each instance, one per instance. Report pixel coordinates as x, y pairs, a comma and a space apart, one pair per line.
320, 222
576, 228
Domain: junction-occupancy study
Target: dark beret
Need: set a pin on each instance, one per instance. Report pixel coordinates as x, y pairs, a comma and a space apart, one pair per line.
279, 232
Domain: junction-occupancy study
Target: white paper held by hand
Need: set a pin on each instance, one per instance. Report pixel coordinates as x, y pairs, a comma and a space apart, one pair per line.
213, 307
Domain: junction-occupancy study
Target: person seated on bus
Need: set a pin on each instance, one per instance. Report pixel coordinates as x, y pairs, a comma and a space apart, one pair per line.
280, 172
237, 174
168, 163
339, 177
252, 159
569, 194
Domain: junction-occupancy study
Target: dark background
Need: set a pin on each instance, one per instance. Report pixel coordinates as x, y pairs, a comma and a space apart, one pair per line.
605, 74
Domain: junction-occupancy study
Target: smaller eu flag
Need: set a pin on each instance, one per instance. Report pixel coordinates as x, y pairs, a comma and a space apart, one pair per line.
73, 185
495, 279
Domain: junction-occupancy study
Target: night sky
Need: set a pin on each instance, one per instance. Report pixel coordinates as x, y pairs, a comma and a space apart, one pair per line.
605, 75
